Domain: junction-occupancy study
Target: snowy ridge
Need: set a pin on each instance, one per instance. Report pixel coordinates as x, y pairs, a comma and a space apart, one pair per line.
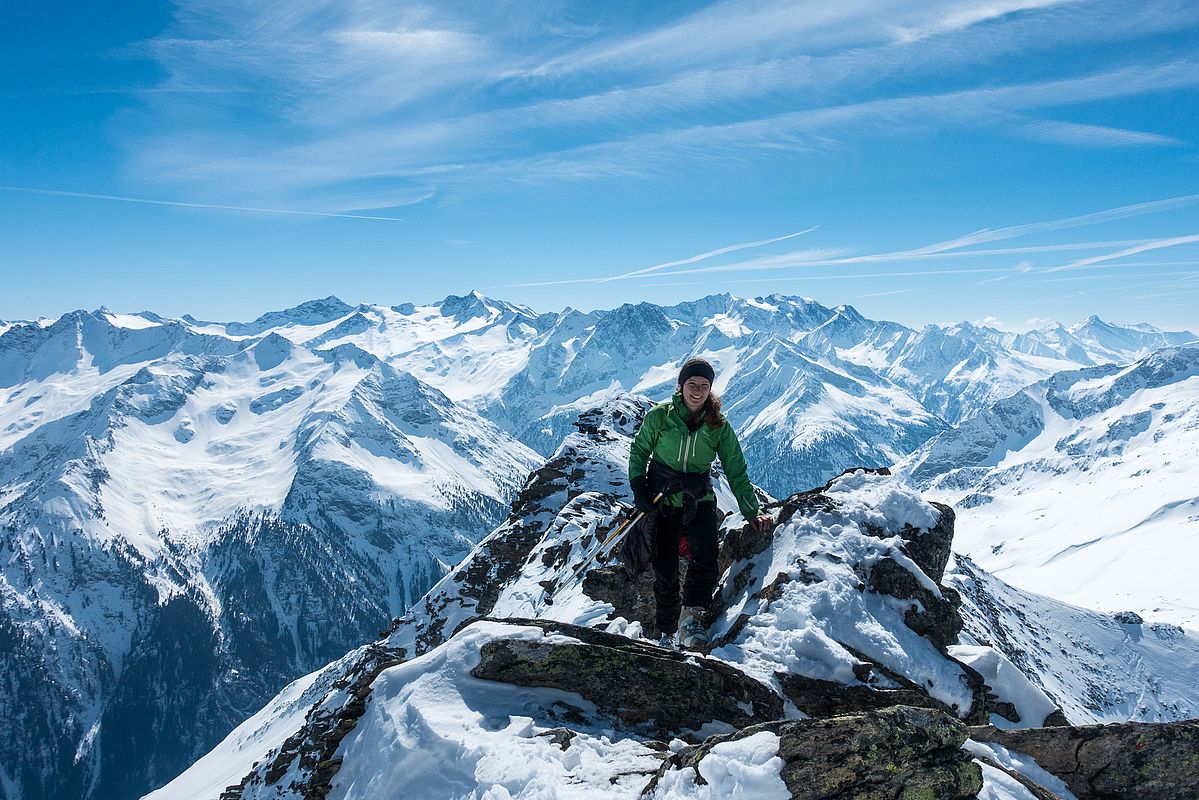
811, 602
1082, 485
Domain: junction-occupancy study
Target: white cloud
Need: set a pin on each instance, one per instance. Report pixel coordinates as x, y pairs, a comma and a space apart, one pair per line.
1072, 133
209, 206
965, 15
884, 294
318, 95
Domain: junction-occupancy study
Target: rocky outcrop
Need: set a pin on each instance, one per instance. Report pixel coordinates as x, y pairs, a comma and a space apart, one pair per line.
1146, 761
900, 752
633, 600
306, 763
820, 698
641, 688
886, 709
562, 490
935, 618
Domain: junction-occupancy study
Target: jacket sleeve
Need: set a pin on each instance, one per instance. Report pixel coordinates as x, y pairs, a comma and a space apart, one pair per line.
644, 443
733, 461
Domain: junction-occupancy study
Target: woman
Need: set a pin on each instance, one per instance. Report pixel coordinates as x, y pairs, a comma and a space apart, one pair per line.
672, 454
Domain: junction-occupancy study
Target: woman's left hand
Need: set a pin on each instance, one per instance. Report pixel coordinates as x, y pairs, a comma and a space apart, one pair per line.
763, 522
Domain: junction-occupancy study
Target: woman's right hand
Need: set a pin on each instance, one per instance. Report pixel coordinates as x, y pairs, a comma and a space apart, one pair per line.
642, 498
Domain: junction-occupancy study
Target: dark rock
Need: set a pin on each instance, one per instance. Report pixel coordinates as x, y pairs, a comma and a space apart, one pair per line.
1142, 760
633, 600
821, 698
560, 736
1003, 708
1128, 618
930, 548
1056, 719
935, 618
899, 752
637, 686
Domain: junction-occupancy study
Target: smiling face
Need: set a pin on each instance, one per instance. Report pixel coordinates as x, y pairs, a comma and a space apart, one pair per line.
695, 393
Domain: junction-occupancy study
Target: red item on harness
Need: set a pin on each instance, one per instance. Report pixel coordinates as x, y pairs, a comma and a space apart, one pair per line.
684, 548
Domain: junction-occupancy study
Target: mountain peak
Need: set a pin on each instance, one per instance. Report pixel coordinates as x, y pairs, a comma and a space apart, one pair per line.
470, 305
271, 351
1092, 321
311, 312
850, 313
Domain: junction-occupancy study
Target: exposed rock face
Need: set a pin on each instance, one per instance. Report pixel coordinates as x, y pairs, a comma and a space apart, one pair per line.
306, 762
886, 708
899, 752
633, 600
935, 618
932, 615
1146, 761
820, 698
643, 688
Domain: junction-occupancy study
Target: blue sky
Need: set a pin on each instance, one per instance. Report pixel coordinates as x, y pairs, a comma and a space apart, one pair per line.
925, 161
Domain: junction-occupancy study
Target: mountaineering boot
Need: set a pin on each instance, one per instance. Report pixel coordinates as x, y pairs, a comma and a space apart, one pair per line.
666, 640
692, 633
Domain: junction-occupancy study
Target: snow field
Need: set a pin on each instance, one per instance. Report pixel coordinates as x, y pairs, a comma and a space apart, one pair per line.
450, 735
1094, 511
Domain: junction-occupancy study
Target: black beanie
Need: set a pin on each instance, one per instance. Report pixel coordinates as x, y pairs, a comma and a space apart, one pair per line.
696, 368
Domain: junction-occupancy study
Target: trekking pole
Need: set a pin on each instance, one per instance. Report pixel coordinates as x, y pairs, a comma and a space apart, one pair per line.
578, 568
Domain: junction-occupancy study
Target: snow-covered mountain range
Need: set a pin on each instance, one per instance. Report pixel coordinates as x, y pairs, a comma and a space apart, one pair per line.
189, 521
195, 513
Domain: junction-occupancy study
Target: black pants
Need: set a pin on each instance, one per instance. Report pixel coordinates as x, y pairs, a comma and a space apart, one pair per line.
701, 573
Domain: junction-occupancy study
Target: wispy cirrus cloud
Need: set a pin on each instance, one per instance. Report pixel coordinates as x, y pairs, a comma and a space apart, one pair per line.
176, 204
433, 98
735, 28
966, 246
1073, 133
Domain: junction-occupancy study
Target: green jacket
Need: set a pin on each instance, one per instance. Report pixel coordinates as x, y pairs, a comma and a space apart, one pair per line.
664, 436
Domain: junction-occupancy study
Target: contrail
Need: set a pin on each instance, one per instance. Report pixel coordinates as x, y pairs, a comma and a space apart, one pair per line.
953, 248
1156, 244
647, 270
1122, 212
710, 254
146, 201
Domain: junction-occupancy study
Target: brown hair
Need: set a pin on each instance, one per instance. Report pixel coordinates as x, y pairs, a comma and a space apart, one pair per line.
709, 412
